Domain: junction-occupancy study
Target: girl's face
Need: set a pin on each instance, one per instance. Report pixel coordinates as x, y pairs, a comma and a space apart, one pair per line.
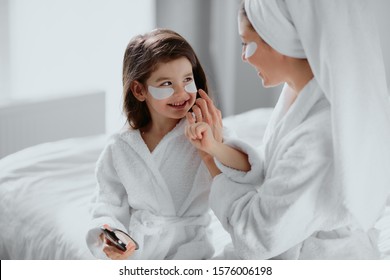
174, 77
267, 61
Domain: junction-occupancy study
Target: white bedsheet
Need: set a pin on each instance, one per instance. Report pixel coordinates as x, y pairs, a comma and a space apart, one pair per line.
45, 191
44, 194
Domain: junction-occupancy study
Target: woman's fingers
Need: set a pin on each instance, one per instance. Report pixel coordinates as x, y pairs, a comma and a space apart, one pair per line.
198, 113
212, 110
190, 118
204, 95
204, 110
214, 115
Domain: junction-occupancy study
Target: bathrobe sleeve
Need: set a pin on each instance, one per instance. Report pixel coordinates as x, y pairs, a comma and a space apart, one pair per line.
111, 204
268, 219
255, 157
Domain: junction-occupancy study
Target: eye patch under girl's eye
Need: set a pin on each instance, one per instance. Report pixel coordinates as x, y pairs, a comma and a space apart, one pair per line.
165, 92
160, 93
250, 49
191, 87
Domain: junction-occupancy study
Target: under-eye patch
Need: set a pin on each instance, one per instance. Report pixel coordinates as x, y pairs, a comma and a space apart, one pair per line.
160, 93
250, 49
191, 87
163, 93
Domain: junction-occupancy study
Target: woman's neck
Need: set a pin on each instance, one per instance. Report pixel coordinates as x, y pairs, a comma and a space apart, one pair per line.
300, 75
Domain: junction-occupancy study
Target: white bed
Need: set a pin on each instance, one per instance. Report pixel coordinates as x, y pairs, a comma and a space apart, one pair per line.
45, 191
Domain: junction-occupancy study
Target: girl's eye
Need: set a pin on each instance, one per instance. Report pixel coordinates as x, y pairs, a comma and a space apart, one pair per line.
166, 84
188, 79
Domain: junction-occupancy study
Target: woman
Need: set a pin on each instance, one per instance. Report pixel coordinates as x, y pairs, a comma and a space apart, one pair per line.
320, 181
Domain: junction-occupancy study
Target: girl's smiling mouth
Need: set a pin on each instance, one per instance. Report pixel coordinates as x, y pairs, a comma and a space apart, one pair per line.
179, 105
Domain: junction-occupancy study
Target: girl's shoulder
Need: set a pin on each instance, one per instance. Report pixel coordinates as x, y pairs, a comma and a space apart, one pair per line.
124, 136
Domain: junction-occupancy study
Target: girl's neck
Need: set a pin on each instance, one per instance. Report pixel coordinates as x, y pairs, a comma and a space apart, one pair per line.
156, 130
160, 127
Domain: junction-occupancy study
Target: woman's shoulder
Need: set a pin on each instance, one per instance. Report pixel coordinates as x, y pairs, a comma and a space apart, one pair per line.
314, 133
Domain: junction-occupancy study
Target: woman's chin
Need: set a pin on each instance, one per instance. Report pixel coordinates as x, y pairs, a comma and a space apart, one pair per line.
266, 83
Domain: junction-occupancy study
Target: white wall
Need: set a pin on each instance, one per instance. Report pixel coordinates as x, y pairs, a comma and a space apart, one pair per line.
4, 49
60, 46
382, 9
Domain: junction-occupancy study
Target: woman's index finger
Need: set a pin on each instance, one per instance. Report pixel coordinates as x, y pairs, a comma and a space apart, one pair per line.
190, 118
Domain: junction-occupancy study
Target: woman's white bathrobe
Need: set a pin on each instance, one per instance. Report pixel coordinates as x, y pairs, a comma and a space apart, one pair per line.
159, 198
288, 206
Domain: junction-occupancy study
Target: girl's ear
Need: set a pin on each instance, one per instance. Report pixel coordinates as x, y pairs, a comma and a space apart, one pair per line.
138, 90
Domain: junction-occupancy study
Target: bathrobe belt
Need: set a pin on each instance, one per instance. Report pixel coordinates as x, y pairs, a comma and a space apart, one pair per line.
151, 224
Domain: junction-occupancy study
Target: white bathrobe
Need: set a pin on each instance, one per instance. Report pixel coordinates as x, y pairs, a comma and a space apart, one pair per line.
288, 206
159, 198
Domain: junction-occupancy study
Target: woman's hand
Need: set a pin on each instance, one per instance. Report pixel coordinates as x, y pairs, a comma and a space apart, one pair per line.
205, 111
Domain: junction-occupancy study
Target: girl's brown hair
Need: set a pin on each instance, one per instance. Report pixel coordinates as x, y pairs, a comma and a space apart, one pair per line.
142, 55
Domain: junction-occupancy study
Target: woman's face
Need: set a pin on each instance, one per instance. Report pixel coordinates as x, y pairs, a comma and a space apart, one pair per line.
268, 63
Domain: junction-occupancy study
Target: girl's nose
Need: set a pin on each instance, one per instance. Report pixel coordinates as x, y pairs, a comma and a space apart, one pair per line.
180, 90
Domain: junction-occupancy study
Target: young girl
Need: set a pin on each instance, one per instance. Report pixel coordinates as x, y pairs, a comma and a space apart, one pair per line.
152, 183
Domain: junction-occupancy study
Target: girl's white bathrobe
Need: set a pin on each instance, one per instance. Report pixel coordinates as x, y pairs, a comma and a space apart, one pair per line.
288, 206
159, 198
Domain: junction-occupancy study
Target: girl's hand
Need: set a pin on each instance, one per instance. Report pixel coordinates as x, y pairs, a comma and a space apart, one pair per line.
113, 252
200, 135
205, 111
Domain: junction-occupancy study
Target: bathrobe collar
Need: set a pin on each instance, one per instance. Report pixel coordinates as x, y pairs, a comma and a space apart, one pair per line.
134, 139
287, 116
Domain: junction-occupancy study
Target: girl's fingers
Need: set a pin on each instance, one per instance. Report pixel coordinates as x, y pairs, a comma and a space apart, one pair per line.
189, 132
200, 129
196, 130
107, 241
130, 247
116, 254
